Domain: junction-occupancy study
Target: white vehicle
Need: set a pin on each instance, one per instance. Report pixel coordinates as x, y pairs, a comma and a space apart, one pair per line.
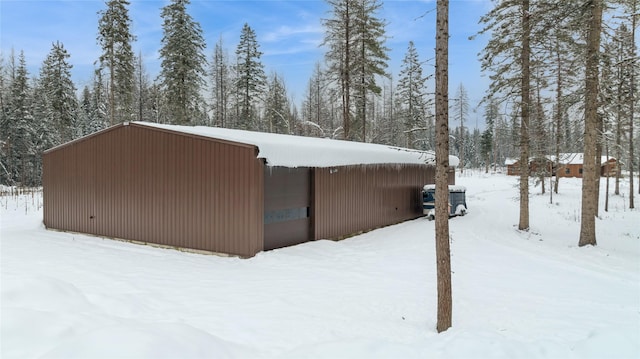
457, 201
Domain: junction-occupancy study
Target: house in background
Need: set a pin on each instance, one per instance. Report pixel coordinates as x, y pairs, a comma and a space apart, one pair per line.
610, 167
228, 191
535, 165
569, 165
513, 166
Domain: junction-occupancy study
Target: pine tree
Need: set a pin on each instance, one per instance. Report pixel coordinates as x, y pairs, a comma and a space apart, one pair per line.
355, 56
443, 252
390, 126
183, 64
460, 113
85, 110
339, 38
45, 132
158, 104
55, 78
486, 146
613, 89
369, 60
473, 150
510, 24
94, 106
316, 112
250, 79
6, 76
20, 159
115, 39
616, 89
525, 110
220, 83
608, 111
560, 59
590, 170
142, 94
277, 117
539, 137
5, 173
632, 8
410, 94
99, 102
46, 128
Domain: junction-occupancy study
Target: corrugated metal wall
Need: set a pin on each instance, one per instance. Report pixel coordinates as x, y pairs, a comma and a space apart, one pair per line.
160, 187
68, 193
351, 199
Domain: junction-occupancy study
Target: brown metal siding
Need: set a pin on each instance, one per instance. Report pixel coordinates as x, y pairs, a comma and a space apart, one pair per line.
71, 204
351, 199
160, 187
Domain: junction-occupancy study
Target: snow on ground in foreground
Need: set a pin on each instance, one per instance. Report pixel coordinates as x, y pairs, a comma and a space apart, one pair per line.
516, 294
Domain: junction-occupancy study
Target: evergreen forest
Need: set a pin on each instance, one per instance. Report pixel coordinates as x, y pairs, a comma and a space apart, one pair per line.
351, 93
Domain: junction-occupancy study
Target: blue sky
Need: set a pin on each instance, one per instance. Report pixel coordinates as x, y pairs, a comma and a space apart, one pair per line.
289, 34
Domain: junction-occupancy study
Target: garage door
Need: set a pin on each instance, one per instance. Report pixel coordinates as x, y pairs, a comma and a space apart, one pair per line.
287, 205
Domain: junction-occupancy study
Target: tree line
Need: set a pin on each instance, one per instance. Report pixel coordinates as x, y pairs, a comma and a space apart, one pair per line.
350, 94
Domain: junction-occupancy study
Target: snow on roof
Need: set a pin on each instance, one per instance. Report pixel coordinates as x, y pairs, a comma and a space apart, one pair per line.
510, 161
298, 151
577, 159
565, 159
571, 158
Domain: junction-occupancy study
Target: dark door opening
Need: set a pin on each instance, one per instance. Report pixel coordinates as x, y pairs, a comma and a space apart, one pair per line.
287, 206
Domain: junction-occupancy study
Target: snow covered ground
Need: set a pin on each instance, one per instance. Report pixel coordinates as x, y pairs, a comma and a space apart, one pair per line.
516, 294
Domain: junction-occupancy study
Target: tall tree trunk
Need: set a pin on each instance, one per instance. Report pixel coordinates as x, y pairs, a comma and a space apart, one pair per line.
346, 84
524, 112
633, 101
598, 161
461, 137
112, 99
559, 113
589, 199
318, 107
363, 78
618, 129
140, 87
443, 255
495, 148
606, 197
539, 153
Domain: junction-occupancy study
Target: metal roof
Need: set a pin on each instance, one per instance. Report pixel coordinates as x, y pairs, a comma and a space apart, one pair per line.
299, 151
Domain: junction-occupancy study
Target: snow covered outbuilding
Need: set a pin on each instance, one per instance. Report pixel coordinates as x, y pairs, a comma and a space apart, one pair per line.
228, 191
